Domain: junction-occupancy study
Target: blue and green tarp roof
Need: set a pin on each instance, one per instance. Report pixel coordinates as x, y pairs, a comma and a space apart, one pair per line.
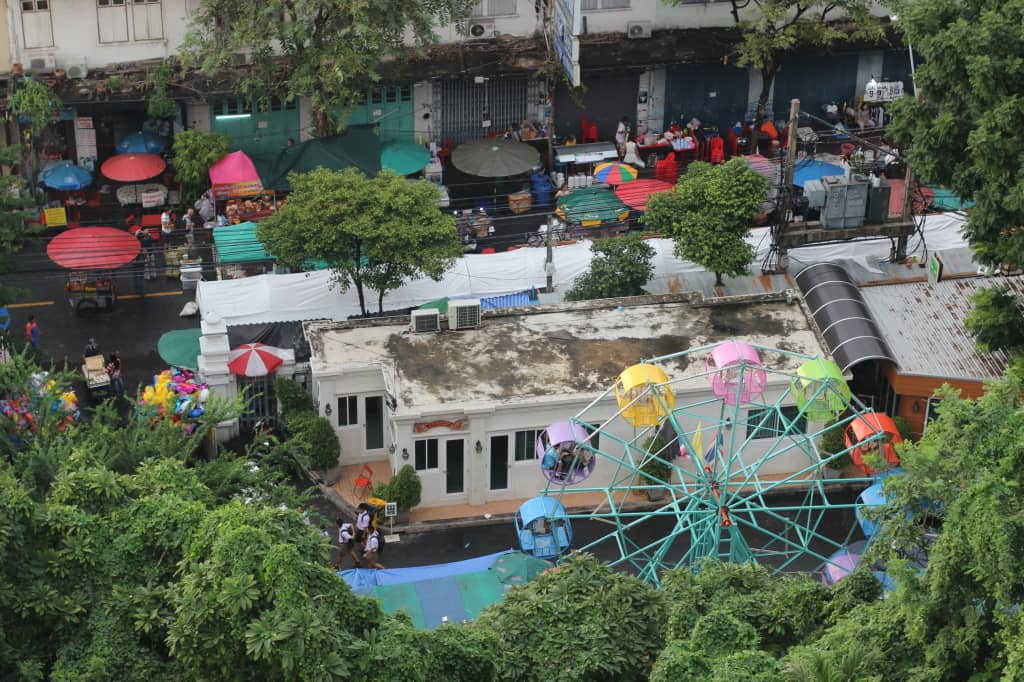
239, 244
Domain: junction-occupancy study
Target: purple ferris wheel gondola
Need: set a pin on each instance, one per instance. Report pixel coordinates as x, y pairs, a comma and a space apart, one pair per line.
564, 454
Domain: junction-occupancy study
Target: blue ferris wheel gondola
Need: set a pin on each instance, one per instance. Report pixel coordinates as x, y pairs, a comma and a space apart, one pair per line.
543, 528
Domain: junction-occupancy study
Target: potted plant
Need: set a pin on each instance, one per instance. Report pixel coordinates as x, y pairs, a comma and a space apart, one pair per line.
829, 444
404, 489
655, 468
115, 83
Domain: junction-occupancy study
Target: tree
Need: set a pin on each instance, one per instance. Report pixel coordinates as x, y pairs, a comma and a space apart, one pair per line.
37, 104
329, 50
621, 266
960, 128
708, 214
160, 105
772, 29
195, 151
373, 233
15, 197
997, 320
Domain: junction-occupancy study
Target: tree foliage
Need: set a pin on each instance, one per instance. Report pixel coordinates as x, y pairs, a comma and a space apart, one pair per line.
374, 233
772, 29
14, 225
621, 266
709, 213
195, 152
961, 128
37, 104
997, 320
329, 50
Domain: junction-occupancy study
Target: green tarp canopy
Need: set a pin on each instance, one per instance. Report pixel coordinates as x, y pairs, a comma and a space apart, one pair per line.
358, 147
180, 348
458, 597
440, 305
239, 244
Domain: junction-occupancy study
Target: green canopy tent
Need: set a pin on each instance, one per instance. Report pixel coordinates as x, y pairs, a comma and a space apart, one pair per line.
404, 158
358, 147
239, 244
591, 206
180, 348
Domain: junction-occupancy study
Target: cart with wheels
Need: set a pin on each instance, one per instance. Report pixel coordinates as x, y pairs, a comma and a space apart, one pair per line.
97, 381
90, 290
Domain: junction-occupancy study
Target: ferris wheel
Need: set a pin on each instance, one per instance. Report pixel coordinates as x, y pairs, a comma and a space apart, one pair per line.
725, 460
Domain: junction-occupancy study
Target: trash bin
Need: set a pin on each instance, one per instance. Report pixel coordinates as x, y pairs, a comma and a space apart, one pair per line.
191, 275
542, 189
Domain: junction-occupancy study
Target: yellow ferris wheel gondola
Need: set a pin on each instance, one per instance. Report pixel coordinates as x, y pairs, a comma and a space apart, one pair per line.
643, 395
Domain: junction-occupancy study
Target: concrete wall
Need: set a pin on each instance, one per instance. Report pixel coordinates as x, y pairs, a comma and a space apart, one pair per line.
81, 32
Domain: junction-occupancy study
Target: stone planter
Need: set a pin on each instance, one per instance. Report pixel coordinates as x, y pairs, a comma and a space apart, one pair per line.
655, 494
828, 473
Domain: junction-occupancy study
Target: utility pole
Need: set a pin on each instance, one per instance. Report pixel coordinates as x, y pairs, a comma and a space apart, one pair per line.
785, 204
549, 261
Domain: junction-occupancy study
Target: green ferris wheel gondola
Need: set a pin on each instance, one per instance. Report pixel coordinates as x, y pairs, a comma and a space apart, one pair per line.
820, 390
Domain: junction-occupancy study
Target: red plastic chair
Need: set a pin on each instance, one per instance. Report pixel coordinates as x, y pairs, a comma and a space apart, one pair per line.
667, 170
487, 249
445, 153
717, 150
364, 482
588, 130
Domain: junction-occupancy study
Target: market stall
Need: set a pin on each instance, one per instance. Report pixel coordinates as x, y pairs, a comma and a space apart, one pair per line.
234, 177
238, 252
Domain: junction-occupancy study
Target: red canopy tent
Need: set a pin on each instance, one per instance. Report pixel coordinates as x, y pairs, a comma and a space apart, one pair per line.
235, 176
93, 248
635, 194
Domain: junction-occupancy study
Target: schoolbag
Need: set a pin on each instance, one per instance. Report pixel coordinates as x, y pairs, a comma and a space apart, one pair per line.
380, 543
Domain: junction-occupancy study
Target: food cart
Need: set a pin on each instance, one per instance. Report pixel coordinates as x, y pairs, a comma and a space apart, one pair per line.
96, 378
91, 254
89, 290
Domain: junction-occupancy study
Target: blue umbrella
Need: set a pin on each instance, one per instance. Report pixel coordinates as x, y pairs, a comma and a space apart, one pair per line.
66, 176
142, 143
810, 169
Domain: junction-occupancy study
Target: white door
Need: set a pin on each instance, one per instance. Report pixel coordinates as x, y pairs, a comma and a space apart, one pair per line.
426, 458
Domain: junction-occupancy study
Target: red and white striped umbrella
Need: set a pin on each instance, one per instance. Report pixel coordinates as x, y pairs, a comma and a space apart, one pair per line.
254, 360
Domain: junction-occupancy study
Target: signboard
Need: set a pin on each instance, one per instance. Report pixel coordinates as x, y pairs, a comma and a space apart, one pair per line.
884, 91
85, 142
56, 217
567, 26
934, 269
238, 190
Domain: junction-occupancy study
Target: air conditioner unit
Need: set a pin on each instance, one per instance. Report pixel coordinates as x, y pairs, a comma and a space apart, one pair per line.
481, 28
77, 71
638, 29
464, 314
241, 59
425, 321
45, 64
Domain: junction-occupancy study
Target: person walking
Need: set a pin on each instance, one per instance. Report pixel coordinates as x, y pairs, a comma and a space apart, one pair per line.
188, 222
32, 332
346, 543
363, 521
372, 551
114, 372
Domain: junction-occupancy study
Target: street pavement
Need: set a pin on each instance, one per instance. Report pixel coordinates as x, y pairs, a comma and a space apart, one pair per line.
455, 544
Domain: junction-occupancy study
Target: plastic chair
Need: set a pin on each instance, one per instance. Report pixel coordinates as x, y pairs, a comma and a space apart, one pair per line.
363, 483
717, 150
444, 154
667, 170
588, 130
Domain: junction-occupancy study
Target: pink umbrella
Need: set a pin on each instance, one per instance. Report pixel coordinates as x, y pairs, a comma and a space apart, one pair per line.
635, 194
254, 360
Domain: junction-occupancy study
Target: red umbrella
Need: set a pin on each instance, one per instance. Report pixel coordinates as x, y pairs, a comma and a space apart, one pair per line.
93, 248
254, 360
133, 167
635, 194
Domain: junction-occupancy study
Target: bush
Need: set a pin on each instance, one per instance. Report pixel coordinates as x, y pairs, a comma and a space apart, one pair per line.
903, 426
655, 467
315, 436
292, 396
406, 488
719, 633
678, 662
830, 443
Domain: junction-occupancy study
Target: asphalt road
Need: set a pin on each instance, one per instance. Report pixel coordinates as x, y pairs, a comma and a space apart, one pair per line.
456, 544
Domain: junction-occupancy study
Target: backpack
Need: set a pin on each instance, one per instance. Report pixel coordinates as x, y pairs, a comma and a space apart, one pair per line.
380, 542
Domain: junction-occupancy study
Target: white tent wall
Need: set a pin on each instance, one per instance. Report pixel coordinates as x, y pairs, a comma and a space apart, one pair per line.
313, 295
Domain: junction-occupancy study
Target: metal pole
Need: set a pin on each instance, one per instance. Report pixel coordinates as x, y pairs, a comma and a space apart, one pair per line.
549, 264
786, 192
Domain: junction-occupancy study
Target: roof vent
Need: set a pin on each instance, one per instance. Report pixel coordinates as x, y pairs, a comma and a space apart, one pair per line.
464, 314
425, 321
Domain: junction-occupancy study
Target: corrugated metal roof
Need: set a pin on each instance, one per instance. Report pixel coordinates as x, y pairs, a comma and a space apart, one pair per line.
841, 315
923, 325
508, 300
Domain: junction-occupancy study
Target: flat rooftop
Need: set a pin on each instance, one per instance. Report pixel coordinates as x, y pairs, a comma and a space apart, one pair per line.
558, 349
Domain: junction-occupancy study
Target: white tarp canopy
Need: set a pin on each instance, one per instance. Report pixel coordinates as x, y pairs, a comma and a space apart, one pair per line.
312, 295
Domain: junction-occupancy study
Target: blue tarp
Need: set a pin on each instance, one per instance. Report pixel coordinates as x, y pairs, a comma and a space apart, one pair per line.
363, 580
519, 298
812, 169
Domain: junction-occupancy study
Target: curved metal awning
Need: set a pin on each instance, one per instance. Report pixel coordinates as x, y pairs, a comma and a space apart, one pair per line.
842, 316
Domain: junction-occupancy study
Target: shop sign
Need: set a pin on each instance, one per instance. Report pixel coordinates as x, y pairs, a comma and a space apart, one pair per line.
567, 26
934, 269
884, 91
455, 425
56, 217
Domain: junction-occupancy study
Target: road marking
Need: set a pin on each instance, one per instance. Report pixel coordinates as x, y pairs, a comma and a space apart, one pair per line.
155, 293
29, 305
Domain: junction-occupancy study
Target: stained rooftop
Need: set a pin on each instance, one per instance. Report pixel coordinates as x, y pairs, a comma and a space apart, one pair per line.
923, 326
556, 350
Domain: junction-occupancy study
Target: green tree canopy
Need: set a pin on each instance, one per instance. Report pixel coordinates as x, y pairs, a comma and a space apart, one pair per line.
963, 127
709, 213
37, 104
195, 152
329, 50
373, 233
621, 266
15, 197
997, 320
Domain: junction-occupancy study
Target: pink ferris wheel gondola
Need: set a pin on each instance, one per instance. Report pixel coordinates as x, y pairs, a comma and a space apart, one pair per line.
735, 372
563, 454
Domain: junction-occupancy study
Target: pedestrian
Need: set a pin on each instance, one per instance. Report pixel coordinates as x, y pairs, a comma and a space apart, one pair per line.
166, 224
290, 142
346, 543
372, 550
363, 520
114, 372
622, 134
188, 223
32, 332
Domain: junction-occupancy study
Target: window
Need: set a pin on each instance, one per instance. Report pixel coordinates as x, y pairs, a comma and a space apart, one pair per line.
526, 441
426, 454
497, 8
767, 423
931, 412
112, 21
595, 437
35, 6
35, 23
605, 4
348, 410
147, 19
110, 3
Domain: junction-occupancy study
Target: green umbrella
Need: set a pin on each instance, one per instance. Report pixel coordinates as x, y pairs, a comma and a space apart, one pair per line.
591, 206
180, 348
495, 157
516, 568
403, 158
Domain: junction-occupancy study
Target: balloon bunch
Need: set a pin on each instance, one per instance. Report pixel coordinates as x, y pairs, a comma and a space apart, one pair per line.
177, 393
19, 414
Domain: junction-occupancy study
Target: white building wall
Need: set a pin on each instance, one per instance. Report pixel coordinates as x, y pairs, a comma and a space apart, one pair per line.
83, 32
360, 383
